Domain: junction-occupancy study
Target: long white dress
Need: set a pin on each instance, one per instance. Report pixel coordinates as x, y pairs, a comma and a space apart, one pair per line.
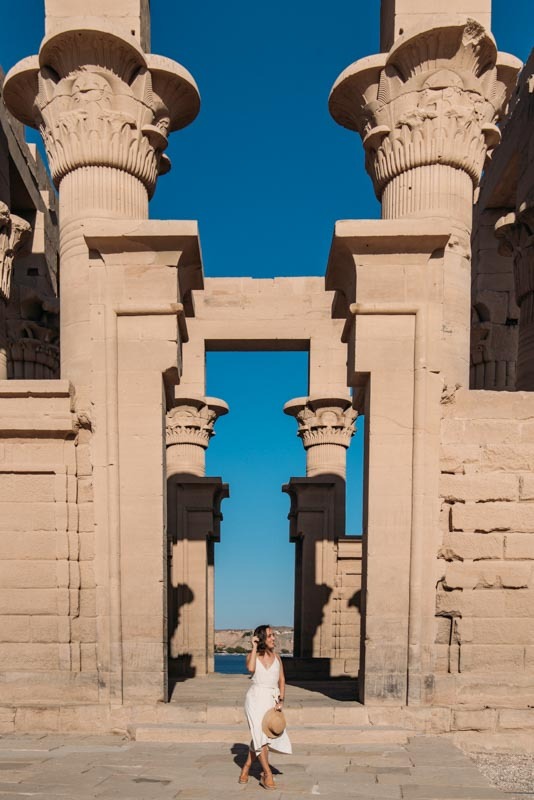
261, 696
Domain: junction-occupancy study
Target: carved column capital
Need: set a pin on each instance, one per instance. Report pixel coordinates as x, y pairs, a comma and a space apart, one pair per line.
14, 234
427, 113
99, 101
326, 427
189, 429
516, 239
516, 234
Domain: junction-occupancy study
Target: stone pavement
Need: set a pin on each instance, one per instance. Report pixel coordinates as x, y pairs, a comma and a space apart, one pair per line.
53, 767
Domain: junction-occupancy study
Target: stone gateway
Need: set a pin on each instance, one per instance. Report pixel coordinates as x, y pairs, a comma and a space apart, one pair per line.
424, 324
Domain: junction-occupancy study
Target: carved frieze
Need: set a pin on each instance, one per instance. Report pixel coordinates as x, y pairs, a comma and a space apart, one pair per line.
434, 99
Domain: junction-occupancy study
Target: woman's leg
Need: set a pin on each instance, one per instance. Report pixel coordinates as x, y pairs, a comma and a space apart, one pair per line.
263, 757
246, 766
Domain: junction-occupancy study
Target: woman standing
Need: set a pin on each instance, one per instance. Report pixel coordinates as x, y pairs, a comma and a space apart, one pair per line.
265, 693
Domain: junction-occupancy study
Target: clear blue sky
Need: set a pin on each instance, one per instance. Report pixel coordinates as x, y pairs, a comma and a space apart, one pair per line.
266, 172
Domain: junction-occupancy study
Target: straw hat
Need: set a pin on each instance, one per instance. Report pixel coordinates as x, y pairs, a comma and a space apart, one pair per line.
273, 723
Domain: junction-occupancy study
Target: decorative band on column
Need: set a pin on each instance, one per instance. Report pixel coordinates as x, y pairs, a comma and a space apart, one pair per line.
107, 190
437, 189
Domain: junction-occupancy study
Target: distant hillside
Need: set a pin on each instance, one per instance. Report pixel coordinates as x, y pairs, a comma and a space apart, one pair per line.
234, 640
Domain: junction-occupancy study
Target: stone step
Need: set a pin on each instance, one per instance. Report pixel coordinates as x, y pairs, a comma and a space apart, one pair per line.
311, 713
300, 734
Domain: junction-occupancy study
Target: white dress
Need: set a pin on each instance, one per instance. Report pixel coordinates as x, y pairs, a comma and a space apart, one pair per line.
261, 696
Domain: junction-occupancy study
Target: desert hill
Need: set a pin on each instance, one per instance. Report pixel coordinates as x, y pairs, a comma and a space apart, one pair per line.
238, 639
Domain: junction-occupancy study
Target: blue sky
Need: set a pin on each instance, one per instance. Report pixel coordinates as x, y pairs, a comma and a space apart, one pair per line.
266, 172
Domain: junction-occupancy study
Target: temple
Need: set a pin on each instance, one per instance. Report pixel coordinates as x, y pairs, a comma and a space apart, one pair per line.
423, 324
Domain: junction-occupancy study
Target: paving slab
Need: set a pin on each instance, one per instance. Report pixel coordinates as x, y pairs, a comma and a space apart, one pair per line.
85, 768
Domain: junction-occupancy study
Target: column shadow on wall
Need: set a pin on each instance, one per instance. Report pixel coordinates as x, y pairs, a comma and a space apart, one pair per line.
326, 639
179, 666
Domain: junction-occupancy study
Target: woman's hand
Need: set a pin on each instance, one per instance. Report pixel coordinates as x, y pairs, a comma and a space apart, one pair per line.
255, 642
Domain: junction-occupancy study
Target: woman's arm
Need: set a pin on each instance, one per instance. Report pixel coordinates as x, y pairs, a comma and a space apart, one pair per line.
281, 684
251, 657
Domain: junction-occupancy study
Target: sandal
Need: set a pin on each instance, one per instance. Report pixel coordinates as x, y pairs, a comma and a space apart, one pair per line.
243, 778
266, 785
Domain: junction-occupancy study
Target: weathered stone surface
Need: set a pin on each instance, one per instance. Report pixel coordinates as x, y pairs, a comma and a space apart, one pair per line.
497, 516
488, 575
479, 488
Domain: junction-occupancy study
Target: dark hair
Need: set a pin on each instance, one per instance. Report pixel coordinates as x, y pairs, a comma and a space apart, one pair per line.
261, 633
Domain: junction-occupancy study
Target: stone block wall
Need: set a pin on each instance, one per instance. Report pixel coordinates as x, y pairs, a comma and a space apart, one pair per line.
346, 606
47, 583
485, 580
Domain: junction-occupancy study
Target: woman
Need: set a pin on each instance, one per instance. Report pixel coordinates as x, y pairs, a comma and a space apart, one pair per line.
266, 692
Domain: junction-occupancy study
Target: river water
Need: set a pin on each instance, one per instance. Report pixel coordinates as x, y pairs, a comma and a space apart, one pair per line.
230, 664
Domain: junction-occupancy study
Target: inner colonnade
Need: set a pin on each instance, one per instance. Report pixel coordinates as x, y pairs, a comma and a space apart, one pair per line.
108, 521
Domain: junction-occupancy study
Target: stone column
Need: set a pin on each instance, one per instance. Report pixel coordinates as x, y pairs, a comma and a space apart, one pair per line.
326, 427
428, 112
189, 429
14, 233
104, 109
194, 517
516, 234
317, 516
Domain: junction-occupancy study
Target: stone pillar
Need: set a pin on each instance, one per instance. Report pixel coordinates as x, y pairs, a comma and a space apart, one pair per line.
104, 109
14, 233
317, 521
516, 234
399, 16
194, 516
428, 112
189, 429
326, 427
316, 518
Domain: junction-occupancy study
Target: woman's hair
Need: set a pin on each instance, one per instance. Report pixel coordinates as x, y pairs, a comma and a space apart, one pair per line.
261, 633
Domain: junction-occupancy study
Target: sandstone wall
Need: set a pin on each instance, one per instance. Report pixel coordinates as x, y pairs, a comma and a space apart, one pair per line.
485, 590
346, 605
47, 584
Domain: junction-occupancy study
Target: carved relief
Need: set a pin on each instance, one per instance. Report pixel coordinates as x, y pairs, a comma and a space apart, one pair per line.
323, 421
516, 232
192, 419
433, 99
99, 101
92, 117
14, 232
517, 240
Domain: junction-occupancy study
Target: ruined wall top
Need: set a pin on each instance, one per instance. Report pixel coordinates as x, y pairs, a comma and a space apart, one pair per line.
129, 18
399, 16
